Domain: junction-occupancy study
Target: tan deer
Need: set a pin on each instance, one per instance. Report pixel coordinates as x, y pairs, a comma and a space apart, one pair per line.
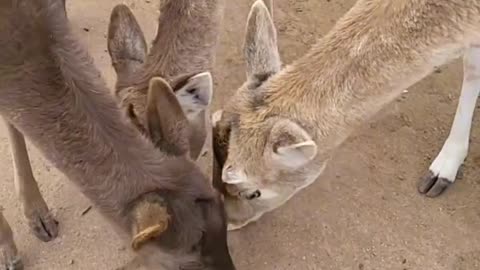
278, 132
52, 93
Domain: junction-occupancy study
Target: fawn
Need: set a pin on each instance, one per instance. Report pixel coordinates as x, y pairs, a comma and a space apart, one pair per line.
276, 135
53, 94
182, 53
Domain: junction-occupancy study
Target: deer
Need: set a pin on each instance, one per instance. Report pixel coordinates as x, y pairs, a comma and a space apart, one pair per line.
182, 53
183, 50
278, 132
52, 93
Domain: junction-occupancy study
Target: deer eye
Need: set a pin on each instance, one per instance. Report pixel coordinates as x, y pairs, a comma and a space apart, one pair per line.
254, 195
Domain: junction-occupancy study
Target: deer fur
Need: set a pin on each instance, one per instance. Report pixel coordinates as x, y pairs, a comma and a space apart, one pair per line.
52, 93
276, 135
182, 53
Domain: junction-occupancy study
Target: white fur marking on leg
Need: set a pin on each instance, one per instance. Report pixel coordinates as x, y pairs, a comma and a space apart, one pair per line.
455, 148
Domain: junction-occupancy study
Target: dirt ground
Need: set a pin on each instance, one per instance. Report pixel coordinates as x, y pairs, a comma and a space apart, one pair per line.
363, 214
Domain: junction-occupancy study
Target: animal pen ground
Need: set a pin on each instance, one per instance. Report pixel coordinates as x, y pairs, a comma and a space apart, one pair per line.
364, 213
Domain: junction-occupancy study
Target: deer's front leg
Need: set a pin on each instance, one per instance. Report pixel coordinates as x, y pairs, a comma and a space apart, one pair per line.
9, 259
443, 170
39, 218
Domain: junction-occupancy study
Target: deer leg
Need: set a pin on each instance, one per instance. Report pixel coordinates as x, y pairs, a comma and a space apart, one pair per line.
9, 258
39, 218
443, 170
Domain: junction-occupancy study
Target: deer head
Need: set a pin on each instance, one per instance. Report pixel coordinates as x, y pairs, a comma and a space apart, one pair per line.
255, 154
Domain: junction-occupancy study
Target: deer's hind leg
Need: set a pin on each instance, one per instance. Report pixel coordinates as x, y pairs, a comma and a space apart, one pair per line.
36, 211
443, 170
9, 258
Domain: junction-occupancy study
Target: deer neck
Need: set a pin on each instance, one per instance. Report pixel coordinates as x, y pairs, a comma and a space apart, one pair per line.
186, 39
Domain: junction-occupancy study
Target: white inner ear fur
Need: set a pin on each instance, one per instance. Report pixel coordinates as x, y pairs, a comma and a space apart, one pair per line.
196, 95
233, 177
296, 155
216, 117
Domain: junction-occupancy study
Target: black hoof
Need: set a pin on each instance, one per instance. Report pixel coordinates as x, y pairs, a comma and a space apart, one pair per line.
432, 186
43, 225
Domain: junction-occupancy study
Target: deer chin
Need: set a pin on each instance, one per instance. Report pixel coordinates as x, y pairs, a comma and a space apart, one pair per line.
241, 212
237, 226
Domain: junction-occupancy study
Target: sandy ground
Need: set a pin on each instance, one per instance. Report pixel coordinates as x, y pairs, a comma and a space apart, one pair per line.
363, 214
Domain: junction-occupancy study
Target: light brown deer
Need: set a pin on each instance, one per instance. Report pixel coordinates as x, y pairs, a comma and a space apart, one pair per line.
281, 128
52, 93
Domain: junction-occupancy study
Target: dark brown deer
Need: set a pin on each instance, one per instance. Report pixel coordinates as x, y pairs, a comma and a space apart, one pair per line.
52, 93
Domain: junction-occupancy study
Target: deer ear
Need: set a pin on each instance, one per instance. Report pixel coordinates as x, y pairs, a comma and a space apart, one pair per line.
290, 145
149, 219
167, 124
195, 94
260, 48
126, 43
269, 5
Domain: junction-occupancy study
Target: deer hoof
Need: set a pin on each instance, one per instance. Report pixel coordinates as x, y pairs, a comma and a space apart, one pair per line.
43, 225
11, 264
433, 186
